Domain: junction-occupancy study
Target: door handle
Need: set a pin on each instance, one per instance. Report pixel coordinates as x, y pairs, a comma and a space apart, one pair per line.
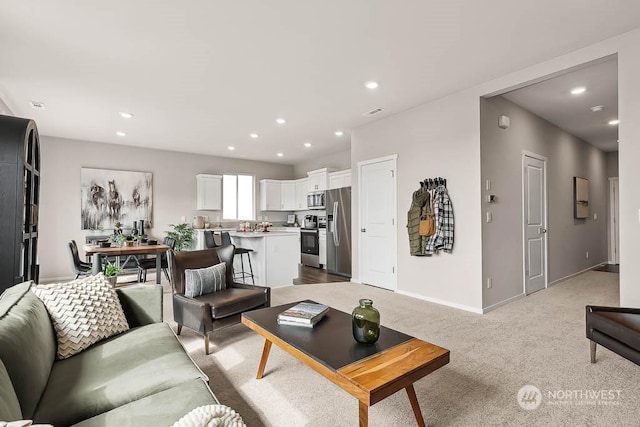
336, 238
363, 230
542, 230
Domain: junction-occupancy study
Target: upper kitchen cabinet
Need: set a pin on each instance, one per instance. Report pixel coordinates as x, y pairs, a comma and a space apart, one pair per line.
209, 192
340, 179
270, 195
318, 179
302, 188
288, 195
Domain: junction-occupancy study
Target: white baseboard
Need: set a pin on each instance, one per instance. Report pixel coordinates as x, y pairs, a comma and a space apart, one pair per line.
555, 282
441, 302
355, 280
501, 303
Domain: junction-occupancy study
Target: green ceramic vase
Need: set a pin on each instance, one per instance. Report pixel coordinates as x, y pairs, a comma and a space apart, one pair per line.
366, 322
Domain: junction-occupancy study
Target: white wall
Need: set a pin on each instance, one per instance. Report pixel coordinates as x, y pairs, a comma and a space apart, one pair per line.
174, 189
436, 139
337, 161
443, 138
628, 171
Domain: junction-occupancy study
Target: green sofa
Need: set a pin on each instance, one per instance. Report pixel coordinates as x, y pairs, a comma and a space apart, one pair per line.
142, 377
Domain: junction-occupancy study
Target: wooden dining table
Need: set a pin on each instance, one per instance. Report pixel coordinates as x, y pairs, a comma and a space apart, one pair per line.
142, 249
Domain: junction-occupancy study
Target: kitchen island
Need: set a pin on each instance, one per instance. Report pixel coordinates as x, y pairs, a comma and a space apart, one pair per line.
274, 258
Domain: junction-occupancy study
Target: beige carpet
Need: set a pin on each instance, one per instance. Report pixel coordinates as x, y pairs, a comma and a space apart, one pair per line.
539, 340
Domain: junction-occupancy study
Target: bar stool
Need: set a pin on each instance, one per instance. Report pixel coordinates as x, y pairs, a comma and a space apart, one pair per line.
243, 274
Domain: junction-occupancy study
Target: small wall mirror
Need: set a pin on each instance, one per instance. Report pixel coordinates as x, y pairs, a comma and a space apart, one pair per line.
580, 197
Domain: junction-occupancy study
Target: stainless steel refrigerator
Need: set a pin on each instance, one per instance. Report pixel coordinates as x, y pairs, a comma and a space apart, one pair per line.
338, 205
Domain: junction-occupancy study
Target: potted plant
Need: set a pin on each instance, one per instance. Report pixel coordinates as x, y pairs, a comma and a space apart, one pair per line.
111, 272
119, 239
182, 234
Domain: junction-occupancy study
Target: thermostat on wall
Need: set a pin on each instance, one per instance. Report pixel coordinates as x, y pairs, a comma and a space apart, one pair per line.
504, 122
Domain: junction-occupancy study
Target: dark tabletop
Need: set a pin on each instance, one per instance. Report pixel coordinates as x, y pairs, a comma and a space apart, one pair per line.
330, 341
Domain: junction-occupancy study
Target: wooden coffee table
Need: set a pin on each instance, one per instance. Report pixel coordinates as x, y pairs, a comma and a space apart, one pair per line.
369, 372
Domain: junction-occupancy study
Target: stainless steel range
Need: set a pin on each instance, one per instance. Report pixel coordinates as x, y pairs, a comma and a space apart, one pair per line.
310, 240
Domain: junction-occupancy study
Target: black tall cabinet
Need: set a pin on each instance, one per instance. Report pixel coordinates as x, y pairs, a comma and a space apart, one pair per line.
19, 199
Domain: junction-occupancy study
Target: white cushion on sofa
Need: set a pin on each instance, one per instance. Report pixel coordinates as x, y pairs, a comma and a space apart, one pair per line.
211, 416
83, 312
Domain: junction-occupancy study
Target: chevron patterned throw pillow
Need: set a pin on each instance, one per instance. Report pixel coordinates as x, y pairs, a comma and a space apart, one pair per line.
83, 312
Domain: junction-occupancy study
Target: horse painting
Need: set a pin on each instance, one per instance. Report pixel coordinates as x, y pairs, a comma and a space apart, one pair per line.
111, 196
114, 200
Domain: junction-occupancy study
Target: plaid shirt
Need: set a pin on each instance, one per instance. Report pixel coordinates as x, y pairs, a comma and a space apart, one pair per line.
443, 238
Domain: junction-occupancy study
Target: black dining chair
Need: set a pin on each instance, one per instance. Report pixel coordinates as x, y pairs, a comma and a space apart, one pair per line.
225, 239
150, 263
209, 241
242, 274
79, 267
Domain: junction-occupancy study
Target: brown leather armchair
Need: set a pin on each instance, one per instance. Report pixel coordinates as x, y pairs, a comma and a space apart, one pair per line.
216, 310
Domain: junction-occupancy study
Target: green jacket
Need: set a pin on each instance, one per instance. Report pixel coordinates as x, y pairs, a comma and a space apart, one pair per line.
416, 242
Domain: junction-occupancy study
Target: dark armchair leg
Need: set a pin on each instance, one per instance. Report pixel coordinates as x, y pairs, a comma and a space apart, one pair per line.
206, 344
592, 345
179, 330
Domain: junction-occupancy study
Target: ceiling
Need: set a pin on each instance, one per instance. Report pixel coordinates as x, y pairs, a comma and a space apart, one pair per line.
200, 76
552, 100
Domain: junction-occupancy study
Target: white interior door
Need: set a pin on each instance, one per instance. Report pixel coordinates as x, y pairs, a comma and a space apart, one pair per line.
614, 225
534, 204
377, 204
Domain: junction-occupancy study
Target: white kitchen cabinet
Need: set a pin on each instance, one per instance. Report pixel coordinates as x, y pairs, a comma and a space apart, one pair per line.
288, 195
340, 179
302, 189
322, 247
270, 195
209, 192
318, 179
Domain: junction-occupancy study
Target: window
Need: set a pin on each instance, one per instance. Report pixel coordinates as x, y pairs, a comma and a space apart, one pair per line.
237, 197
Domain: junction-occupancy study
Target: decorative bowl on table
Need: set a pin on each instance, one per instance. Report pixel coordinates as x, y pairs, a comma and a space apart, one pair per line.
104, 243
152, 242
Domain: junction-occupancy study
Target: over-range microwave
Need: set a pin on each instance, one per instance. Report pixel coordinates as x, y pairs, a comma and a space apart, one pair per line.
315, 200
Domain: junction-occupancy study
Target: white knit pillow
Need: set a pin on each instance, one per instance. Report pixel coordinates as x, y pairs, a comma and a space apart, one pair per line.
211, 416
83, 312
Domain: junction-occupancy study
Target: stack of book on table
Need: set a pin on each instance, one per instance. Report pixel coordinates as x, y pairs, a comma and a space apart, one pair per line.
305, 314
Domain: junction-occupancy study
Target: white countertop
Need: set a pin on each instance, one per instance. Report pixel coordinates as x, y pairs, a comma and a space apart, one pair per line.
260, 234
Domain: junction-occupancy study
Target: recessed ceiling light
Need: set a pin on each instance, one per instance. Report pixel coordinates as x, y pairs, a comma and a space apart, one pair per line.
371, 84
614, 122
597, 108
37, 105
253, 135
125, 115
339, 133
578, 90
280, 121
280, 154
120, 133
307, 144
231, 148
